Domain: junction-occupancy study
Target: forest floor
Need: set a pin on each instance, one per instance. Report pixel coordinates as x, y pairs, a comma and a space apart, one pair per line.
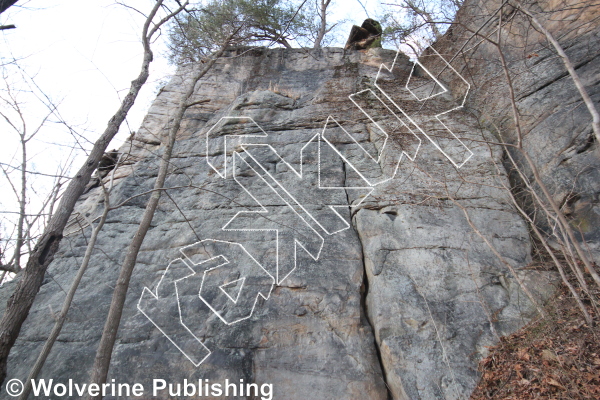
553, 358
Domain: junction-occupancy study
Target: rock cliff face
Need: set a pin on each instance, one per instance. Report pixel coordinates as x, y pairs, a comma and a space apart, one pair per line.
556, 125
395, 296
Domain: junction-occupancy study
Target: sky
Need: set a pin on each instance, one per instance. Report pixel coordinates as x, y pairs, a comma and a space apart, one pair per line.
81, 56
85, 53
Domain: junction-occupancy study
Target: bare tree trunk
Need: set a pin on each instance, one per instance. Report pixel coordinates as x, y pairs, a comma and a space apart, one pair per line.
62, 317
109, 334
20, 302
543, 240
534, 170
570, 68
323, 27
24, 224
499, 256
568, 253
284, 42
22, 202
557, 263
5, 4
426, 16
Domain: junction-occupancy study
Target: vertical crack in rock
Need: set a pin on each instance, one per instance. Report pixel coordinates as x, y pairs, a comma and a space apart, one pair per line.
365, 310
317, 334
364, 292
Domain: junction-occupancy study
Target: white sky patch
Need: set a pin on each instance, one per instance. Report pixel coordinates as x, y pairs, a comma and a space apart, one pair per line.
83, 54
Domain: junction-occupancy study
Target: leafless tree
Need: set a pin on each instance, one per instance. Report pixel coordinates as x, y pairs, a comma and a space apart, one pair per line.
322, 6
569, 66
545, 199
18, 177
418, 23
532, 196
43, 253
62, 315
237, 31
113, 320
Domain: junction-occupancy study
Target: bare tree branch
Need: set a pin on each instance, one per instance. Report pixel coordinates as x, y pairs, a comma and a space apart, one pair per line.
589, 103
109, 334
22, 299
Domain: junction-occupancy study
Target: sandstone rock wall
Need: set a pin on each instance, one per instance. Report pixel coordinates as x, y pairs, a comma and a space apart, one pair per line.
399, 305
556, 124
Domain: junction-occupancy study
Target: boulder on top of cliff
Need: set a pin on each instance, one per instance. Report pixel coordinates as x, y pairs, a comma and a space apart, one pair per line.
365, 37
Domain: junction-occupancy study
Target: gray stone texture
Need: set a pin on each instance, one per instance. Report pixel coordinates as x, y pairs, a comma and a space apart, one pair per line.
400, 305
556, 125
